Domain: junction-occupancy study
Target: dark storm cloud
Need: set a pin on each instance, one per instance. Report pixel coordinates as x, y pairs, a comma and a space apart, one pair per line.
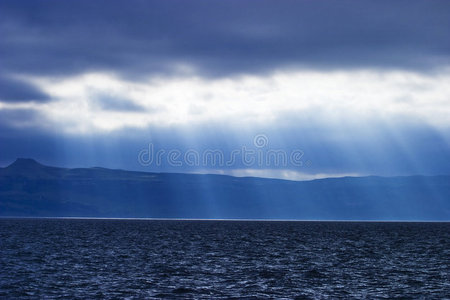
136, 38
18, 91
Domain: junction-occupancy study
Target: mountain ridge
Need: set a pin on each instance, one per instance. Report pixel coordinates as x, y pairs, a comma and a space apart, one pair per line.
31, 161
28, 188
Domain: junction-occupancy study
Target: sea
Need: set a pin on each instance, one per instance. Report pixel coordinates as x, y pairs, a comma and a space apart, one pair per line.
205, 259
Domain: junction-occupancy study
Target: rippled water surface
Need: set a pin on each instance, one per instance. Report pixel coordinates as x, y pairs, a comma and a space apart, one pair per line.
68, 258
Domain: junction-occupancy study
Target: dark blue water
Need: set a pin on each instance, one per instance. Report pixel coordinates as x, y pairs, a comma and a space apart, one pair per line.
135, 259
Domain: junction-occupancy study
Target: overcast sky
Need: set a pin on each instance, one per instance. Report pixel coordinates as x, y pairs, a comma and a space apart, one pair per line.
358, 87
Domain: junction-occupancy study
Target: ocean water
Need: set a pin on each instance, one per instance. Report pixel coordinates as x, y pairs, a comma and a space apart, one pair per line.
145, 259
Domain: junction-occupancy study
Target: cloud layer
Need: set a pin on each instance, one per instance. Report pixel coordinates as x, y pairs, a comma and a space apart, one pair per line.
238, 36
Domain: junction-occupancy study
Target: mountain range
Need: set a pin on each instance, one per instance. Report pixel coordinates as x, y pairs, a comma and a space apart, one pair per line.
30, 189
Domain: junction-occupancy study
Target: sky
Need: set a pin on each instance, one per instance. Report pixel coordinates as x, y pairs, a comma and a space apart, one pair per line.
285, 89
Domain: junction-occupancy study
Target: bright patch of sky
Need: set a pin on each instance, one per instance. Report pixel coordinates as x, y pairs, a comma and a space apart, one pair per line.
103, 102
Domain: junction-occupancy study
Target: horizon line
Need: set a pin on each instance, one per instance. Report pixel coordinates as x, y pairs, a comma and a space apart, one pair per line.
230, 219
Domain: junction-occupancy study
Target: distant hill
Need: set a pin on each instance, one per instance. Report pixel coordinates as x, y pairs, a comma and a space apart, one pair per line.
28, 188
